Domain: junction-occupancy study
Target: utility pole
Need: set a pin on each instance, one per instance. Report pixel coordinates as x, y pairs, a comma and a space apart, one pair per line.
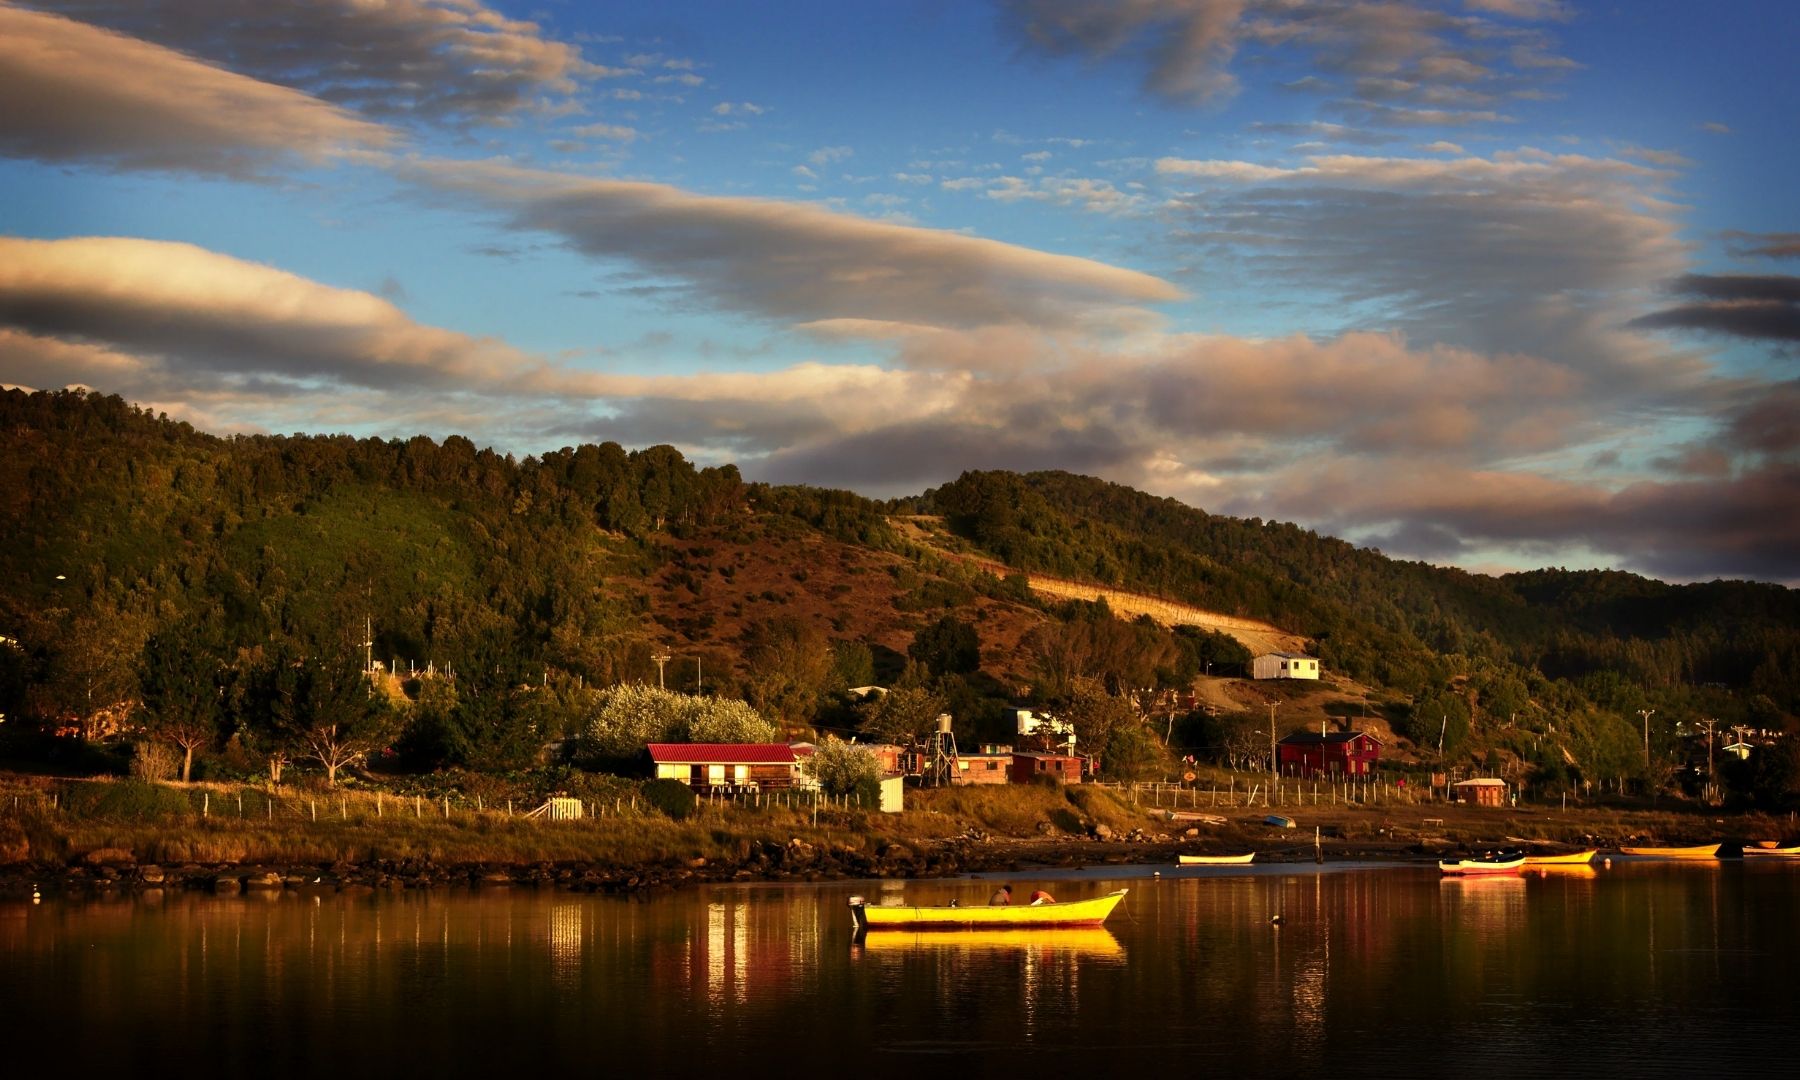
661, 658
1272, 744
1708, 724
697, 681
1647, 714
368, 643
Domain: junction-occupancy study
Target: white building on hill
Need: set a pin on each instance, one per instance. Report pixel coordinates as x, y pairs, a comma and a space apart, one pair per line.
1284, 665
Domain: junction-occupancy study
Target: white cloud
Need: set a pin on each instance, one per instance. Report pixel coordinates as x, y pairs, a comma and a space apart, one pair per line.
95, 95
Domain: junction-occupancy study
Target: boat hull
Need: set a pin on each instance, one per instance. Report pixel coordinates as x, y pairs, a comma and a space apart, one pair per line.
1576, 858
1480, 867
1068, 915
1214, 860
1772, 852
1699, 851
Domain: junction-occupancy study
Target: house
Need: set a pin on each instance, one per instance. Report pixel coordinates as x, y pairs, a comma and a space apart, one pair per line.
1740, 748
992, 765
737, 766
1484, 791
1027, 767
1284, 665
1314, 753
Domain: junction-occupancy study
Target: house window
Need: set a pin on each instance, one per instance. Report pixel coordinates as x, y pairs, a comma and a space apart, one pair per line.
715, 774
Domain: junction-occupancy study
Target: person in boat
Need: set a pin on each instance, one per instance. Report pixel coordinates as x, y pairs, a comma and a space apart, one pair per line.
1042, 897
1002, 896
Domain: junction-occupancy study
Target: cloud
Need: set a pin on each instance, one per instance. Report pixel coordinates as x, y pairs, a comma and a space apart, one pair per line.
138, 308
1186, 46
800, 262
78, 93
615, 132
827, 155
741, 108
1763, 245
1522, 251
1765, 306
455, 61
1713, 127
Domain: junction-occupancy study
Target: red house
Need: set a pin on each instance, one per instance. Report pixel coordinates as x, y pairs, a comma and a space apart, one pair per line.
1311, 753
736, 766
1065, 767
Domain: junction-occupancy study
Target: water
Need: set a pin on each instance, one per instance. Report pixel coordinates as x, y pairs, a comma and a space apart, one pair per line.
1641, 969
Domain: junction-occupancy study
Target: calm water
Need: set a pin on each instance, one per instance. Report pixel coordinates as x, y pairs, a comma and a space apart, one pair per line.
1642, 969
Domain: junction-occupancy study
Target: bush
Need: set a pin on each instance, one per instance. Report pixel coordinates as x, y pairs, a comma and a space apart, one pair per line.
672, 797
153, 760
126, 800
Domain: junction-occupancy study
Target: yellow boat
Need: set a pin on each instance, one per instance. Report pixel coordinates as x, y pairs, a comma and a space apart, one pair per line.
1090, 941
1772, 852
1214, 860
1070, 913
1699, 851
1575, 858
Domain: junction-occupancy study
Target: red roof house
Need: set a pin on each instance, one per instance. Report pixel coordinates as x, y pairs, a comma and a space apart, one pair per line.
747, 766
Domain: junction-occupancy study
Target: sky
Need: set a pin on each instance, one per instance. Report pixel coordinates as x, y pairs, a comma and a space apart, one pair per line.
1497, 284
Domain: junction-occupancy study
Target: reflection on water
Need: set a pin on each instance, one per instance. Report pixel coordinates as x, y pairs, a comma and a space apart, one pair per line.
1652, 969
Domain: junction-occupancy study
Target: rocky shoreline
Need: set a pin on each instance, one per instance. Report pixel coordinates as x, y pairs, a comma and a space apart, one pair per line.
114, 870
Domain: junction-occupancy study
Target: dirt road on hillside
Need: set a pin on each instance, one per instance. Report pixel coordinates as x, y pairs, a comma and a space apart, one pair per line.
1258, 637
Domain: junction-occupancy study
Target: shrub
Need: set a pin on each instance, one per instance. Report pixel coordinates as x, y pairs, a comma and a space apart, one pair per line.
152, 760
126, 800
672, 797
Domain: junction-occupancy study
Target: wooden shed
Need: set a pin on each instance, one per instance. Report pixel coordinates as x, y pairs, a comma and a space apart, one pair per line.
1483, 791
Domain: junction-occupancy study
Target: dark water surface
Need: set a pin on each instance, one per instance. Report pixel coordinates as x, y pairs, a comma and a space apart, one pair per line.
1641, 969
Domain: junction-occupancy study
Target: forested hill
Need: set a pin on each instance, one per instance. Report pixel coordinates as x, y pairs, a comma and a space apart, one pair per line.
1384, 620
577, 567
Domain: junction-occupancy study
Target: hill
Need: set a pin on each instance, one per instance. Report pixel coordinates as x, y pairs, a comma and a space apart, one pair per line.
580, 567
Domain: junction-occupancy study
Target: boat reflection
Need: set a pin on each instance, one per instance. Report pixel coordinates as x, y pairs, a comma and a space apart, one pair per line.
1094, 943
1562, 870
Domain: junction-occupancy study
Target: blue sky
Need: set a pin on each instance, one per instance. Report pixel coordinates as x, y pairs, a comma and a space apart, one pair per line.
1493, 283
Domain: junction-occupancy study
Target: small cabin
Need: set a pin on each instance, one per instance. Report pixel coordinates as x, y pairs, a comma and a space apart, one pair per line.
1284, 665
993, 765
728, 766
1328, 753
1482, 791
1028, 767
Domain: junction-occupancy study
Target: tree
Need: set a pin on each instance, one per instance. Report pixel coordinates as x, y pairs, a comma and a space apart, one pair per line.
905, 716
181, 682
845, 768
323, 708
790, 666
948, 646
627, 717
1094, 714
1132, 752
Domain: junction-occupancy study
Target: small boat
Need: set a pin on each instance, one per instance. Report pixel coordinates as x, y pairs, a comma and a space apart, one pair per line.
1699, 851
1501, 862
1279, 821
1214, 860
1068, 913
1574, 858
1772, 852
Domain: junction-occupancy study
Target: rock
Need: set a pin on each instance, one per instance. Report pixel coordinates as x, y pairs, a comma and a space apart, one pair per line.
226, 885
696, 863
264, 881
109, 856
151, 874
1103, 832
1190, 833
496, 878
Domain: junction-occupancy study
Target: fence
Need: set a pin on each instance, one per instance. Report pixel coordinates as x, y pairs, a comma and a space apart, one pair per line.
1258, 791
85, 798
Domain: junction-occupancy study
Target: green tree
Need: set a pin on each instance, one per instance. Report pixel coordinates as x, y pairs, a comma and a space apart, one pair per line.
181, 683
1094, 714
948, 646
1132, 752
790, 667
904, 716
323, 708
845, 768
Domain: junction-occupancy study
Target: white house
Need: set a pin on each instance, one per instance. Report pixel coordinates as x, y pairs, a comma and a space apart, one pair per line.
1284, 665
